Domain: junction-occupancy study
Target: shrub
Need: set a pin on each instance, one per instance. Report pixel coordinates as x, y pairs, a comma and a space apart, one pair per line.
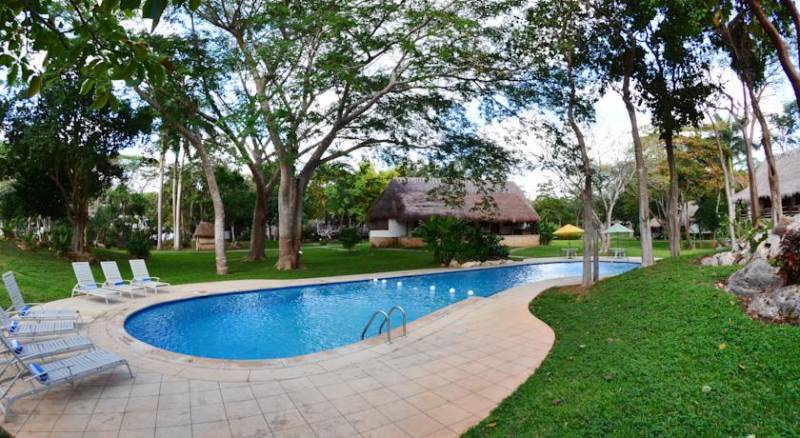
8, 230
442, 235
349, 237
138, 245
60, 238
546, 230
450, 238
480, 245
789, 257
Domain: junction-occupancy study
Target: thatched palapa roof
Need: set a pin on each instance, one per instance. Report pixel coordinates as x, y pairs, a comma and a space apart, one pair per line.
409, 199
788, 164
204, 230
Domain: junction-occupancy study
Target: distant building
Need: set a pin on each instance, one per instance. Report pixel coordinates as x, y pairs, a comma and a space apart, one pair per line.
203, 236
788, 166
406, 202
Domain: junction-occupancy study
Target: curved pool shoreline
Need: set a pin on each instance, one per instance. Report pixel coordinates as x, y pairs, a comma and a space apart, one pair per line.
295, 321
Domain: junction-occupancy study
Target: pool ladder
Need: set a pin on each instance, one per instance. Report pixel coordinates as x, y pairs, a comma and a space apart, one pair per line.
387, 321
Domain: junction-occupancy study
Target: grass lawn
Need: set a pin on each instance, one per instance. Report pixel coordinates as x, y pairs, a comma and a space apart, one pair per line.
42, 277
632, 248
656, 352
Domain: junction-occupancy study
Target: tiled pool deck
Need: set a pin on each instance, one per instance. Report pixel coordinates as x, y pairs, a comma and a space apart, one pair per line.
450, 371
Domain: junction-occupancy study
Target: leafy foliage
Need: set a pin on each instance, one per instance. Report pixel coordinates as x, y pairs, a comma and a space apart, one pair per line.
789, 257
349, 238
138, 245
60, 237
454, 239
546, 230
61, 151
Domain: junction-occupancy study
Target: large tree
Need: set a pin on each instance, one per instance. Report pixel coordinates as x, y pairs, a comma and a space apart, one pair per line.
551, 57
62, 143
750, 54
671, 77
334, 77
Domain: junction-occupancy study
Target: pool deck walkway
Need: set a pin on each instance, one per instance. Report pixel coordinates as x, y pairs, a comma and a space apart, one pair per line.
451, 370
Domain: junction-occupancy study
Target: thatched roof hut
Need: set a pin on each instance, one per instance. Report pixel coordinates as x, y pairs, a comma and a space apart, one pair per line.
409, 200
204, 230
788, 165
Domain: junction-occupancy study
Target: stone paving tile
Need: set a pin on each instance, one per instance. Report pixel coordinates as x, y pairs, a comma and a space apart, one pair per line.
367, 420
335, 428
216, 429
442, 379
290, 419
419, 425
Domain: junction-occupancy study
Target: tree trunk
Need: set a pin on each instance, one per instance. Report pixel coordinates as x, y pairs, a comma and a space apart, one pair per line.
672, 207
645, 233
79, 218
160, 197
176, 201
219, 209
772, 170
728, 183
781, 47
258, 230
290, 217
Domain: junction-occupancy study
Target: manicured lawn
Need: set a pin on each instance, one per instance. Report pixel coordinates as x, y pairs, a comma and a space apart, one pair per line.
632, 248
43, 277
656, 352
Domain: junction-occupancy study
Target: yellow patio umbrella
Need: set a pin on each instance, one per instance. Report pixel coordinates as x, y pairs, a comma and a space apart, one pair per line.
568, 231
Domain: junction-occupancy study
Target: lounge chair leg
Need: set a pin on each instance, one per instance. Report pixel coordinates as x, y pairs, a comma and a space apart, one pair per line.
129, 370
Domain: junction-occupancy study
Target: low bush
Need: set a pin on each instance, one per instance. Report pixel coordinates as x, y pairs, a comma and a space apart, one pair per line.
138, 245
7, 230
453, 239
789, 257
349, 238
546, 230
60, 238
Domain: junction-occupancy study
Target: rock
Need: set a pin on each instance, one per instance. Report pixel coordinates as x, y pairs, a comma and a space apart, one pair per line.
757, 277
722, 259
769, 248
470, 264
783, 303
454, 264
794, 224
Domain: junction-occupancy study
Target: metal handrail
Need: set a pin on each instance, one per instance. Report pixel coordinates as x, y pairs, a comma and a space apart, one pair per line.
385, 319
389, 317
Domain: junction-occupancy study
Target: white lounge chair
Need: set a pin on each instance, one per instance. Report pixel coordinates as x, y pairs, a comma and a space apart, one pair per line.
31, 311
43, 377
142, 277
48, 348
86, 284
114, 280
32, 329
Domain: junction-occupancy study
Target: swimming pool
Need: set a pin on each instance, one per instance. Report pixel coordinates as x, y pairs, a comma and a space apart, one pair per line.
291, 321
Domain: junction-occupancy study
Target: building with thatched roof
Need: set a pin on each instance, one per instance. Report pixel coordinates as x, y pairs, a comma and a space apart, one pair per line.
203, 236
406, 202
788, 166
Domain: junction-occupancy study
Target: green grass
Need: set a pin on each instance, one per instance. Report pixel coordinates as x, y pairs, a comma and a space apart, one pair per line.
632, 248
633, 355
43, 277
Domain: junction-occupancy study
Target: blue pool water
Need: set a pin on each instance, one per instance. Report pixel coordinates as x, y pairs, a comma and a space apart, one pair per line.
291, 321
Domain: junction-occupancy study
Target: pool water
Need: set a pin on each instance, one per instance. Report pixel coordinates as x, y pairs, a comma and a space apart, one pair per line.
285, 322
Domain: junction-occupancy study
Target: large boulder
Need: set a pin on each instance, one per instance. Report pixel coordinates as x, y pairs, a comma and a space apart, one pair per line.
769, 248
728, 258
781, 304
757, 277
